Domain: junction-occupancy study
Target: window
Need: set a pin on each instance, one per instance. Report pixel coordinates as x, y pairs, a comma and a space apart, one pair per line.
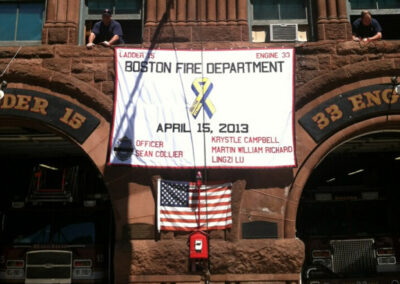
375, 4
259, 230
119, 7
21, 21
44, 226
127, 12
387, 12
278, 20
279, 10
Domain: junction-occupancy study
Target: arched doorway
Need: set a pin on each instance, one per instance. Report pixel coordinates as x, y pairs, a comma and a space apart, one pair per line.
55, 211
348, 215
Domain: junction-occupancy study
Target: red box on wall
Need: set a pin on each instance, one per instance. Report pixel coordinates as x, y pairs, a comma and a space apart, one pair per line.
198, 245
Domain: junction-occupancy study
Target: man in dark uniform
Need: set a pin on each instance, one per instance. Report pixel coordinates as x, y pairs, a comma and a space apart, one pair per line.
106, 32
366, 28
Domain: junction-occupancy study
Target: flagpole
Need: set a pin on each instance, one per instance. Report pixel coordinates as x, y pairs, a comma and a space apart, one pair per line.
158, 203
199, 183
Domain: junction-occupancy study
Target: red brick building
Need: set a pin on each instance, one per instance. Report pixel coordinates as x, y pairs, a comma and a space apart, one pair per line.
338, 97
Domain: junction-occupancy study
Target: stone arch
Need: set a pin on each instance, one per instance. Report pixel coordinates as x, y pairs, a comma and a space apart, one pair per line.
318, 90
347, 74
391, 122
63, 87
74, 90
61, 83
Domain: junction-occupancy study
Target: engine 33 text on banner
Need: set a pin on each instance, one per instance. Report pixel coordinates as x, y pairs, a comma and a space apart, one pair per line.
191, 109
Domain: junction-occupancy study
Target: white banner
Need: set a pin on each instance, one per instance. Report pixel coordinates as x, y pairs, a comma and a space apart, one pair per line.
217, 109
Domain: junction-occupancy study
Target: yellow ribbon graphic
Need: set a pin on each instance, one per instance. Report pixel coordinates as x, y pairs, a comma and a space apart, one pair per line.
202, 88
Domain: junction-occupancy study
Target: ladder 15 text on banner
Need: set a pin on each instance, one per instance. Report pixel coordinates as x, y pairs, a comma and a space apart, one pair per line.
218, 109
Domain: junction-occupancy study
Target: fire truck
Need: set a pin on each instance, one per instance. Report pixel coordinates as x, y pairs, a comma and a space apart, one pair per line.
349, 220
56, 224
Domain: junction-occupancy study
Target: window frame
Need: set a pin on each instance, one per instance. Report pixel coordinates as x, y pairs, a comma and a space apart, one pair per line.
357, 12
85, 16
25, 42
300, 21
124, 16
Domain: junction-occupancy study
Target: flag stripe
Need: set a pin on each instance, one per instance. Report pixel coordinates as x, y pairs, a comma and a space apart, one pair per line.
202, 213
209, 192
210, 202
211, 188
210, 198
194, 210
195, 218
173, 220
226, 205
194, 225
186, 229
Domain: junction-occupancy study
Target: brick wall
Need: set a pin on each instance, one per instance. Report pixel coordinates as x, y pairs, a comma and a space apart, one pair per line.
88, 76
314, 61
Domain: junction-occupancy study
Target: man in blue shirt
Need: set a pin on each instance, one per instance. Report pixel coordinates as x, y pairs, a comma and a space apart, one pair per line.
106, 32
366, 28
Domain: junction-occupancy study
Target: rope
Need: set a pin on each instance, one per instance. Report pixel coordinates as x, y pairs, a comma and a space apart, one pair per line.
394, 84
12, 59
205, 178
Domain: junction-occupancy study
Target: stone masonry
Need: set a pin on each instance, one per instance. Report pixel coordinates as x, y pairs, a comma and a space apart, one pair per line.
88, 76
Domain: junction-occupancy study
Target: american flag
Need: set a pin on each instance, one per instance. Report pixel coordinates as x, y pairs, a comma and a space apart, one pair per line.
178, 208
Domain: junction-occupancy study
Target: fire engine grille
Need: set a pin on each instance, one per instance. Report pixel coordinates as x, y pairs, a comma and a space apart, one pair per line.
45, 257
353, 256
48, 273
48, 264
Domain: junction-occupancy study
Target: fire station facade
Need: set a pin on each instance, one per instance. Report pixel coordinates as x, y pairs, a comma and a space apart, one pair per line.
343, 91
